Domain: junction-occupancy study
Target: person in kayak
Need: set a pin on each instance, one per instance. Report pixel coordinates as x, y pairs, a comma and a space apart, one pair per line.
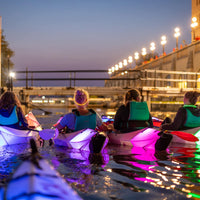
133, 115
81, 117
11, 113
188, 116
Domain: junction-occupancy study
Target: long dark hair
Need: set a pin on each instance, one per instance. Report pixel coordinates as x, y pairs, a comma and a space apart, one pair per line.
9, 99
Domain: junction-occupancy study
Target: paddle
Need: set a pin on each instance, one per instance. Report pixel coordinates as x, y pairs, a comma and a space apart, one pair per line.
47, 134
185, 136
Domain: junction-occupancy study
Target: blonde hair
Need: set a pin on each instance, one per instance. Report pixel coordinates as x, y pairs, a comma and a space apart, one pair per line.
81, 97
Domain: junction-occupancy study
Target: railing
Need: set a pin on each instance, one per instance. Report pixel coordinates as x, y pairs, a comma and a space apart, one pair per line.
71, 78
157, 78
132, 78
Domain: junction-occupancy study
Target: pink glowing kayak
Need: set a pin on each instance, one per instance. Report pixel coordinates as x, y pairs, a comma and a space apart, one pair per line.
36, 179
141, 138
86, 139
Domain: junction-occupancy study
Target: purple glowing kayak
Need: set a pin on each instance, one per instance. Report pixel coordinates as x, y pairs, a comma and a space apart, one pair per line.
86, 139
10, 136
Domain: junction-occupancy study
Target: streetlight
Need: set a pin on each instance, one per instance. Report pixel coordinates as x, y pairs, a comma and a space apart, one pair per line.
176, 35
136, 57
144, 53
112, 69
125, 63
194, 25
120, 65
130, 59
116, 67
11, 75
163, 42
109, 71
152, 48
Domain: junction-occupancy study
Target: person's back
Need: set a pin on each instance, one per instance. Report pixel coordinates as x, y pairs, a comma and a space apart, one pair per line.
133, 115
187, 116
81, 117
11, 113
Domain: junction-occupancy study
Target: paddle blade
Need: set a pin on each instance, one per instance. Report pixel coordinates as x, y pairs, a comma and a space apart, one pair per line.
185, 136
47, 134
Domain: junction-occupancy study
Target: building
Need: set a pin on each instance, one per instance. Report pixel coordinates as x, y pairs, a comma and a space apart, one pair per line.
195, 32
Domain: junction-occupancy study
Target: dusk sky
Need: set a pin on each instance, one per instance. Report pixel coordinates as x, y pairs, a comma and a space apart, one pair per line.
89, 34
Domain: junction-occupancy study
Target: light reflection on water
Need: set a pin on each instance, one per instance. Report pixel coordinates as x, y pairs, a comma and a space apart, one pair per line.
119, 173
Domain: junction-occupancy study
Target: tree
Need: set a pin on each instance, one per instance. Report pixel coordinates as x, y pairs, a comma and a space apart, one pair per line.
6, 63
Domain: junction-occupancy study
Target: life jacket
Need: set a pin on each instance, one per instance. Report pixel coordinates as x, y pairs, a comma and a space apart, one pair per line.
11, 120
192, 121
85, 121
139, 115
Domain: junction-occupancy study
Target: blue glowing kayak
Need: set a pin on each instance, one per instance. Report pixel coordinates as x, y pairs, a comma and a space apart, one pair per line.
36, 179
10, 136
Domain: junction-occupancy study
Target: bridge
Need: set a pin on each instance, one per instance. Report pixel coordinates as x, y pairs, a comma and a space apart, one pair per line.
160, 88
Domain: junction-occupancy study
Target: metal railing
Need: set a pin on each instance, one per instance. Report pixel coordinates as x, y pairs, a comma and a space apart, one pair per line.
30, 77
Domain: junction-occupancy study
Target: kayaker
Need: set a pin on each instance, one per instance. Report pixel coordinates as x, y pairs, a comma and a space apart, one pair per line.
11, 113
188, 116
133, 115
81, 117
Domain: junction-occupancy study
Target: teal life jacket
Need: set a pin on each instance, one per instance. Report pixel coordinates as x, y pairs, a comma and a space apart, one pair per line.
11, 120
85, 121
192, 121
139, 115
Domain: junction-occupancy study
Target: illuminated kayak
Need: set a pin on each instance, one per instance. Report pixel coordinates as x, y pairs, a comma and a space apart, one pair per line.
10, 136
141, 138
86, 139
36, 179
188, 136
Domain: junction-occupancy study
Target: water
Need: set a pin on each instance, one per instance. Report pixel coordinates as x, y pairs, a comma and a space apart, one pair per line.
120, 173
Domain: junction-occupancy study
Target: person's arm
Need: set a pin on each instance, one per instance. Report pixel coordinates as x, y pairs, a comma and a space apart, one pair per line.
67, 121
150, 121
59, 126
118, 120
178, 122
21, 117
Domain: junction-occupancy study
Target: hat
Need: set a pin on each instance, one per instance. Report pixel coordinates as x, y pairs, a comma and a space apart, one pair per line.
81, 97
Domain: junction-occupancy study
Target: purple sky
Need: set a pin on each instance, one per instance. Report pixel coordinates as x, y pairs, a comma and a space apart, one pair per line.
89, 34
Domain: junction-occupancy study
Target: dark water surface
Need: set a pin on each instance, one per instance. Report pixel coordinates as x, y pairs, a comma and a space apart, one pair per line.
119, 173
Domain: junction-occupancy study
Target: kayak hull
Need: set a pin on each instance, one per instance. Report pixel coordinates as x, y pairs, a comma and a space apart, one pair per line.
10, 136
80, 140
141, 138
31, 182
192, 131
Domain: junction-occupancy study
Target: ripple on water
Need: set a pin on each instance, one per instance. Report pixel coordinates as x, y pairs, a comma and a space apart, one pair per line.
119, 173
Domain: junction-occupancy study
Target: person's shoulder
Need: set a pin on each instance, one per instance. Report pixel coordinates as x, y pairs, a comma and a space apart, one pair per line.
122, 107
91, 110
71, 114
181, 110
